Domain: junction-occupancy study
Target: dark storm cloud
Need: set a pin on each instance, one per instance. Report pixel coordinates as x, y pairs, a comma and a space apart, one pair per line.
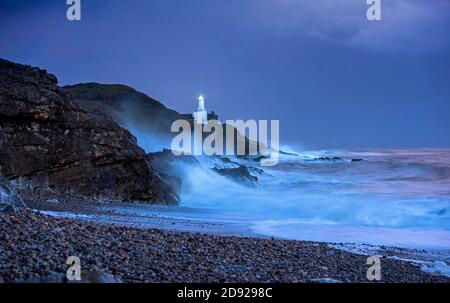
331, 77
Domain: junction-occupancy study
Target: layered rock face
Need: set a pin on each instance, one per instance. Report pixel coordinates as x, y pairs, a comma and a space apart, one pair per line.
47, 141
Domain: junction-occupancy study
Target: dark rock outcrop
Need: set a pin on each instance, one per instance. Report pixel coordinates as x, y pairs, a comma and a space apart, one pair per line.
357, 160
166, 162
173, 168
47, 141
179, 167
240, 174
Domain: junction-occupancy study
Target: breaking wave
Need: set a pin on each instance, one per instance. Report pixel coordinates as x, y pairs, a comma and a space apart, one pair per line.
395, 197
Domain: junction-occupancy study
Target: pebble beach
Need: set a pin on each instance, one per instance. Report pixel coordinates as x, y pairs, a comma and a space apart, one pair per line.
34, 247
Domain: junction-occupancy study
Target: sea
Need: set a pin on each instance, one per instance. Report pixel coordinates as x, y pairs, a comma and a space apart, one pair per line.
357, 200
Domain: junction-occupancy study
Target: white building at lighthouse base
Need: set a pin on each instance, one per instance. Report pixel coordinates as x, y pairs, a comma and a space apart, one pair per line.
201, 114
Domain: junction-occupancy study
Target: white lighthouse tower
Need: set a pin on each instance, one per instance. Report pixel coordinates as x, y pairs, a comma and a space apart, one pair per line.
201, 115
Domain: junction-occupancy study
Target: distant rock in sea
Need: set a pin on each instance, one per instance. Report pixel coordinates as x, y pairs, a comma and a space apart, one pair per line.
240, 174
357, 160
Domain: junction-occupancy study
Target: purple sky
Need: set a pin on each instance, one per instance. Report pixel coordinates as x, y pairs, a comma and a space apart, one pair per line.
330, 76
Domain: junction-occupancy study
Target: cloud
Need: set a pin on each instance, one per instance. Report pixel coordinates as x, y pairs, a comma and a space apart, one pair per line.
13, 7
412, 26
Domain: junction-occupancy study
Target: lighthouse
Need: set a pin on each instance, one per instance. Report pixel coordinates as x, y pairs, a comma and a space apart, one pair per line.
201, 115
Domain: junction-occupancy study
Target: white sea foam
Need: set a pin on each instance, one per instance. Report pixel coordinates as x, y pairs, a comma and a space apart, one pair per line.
437, 267
393, 198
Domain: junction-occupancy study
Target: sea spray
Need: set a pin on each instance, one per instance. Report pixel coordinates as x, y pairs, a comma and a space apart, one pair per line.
356, 195
390, 196
8, 196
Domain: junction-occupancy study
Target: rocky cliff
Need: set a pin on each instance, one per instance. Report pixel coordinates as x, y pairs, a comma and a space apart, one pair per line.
144, 116
48, 142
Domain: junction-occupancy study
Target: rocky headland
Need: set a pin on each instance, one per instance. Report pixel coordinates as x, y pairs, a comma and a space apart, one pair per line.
49, 144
